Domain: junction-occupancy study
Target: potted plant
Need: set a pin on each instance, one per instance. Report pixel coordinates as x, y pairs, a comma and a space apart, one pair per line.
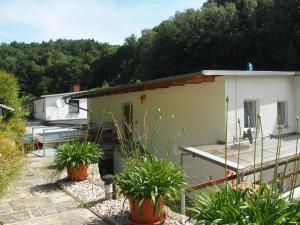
76, 157
147, 182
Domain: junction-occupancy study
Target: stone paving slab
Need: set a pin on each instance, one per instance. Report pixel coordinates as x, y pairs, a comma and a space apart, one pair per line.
57, 208
73, 217
34, 199
16, 216
35, 212
5, 208
25, 203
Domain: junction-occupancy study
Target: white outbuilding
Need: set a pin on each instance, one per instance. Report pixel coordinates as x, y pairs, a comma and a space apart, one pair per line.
56, 108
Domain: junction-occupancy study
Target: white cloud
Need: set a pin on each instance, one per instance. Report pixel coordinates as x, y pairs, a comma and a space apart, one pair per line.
103, 20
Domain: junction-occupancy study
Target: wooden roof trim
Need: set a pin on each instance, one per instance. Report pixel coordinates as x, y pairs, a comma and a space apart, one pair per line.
196, 79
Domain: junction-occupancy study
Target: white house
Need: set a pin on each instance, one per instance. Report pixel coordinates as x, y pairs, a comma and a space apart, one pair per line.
56, 108
197, 101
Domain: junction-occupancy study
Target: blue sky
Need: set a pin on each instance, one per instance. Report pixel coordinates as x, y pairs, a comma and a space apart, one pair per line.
103, 20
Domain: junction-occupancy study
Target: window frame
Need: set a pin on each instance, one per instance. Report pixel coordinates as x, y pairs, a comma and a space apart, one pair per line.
73, 102
286, 121
257, 109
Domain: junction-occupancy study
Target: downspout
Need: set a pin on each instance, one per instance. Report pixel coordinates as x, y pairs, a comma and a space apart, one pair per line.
65, 99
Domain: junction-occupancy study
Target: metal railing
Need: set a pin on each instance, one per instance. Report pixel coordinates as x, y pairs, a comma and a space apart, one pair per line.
61, 134
229, 178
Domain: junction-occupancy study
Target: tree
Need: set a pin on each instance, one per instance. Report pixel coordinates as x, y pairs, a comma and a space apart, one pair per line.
9, 91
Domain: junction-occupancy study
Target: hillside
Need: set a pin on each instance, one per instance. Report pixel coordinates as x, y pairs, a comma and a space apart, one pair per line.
223, 34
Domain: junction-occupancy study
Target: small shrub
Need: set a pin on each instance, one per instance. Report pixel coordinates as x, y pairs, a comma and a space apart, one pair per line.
151, 178
10, 160
76, 153
227, 206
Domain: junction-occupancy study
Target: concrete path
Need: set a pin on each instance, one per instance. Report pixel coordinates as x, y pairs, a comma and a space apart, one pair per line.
33, 199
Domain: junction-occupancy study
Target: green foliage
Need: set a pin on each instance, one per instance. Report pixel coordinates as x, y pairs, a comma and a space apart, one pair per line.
9, 91
10, 159
76, 153
150, 178
223, 34
244, 206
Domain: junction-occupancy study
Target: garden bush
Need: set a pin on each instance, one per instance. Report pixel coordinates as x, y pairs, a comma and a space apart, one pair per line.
11, 129
224, 205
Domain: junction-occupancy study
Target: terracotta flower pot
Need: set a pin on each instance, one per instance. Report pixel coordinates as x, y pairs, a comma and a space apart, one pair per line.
144, 215
77, 174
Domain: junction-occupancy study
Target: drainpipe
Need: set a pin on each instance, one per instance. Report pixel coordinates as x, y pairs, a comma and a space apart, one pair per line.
65, 99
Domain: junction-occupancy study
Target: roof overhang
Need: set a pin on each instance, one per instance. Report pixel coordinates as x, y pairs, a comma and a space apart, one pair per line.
180, 80
246, 73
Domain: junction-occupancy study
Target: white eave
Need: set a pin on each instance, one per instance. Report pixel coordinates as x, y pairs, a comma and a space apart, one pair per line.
248, 73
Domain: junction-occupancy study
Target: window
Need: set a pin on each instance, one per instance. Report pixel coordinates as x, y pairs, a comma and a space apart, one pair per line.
73, 106
250, 112
128, 116
282, 113
43, 107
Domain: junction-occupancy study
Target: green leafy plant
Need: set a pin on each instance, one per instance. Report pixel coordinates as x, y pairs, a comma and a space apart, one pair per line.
221, 205
150, 178
145, 175
244, 206
76, 153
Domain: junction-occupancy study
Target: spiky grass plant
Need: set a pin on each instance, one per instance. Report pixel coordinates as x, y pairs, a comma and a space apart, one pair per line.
239, 152
151, 178
76, 153
277, 158
254, 152
226, 134
243, 207
145, 175
266, 207
262, 149
221, 205
296, 164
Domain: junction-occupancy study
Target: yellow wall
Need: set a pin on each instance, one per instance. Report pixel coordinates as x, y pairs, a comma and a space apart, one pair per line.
198, 107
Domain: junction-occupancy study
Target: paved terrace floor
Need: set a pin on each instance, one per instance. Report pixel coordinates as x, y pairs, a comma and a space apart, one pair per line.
33, 199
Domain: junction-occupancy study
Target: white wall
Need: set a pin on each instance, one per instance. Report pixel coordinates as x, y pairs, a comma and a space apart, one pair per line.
62, 113
267, 90
39, 112
198, 107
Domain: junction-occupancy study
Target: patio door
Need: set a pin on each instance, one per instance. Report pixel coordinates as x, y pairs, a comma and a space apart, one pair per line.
128, 119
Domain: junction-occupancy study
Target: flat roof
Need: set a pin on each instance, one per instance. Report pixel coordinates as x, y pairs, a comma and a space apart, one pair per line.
216, 153
179, 80
246, 73
59, 94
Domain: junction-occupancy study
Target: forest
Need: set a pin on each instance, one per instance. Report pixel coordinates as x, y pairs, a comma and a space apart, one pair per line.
223, 34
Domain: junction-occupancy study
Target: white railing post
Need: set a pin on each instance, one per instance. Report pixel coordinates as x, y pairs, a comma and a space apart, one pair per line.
182, 198
44, 147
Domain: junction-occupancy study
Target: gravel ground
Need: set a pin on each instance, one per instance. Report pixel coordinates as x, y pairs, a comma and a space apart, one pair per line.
114, 211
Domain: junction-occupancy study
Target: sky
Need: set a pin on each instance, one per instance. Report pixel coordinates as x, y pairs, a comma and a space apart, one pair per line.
103, 20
